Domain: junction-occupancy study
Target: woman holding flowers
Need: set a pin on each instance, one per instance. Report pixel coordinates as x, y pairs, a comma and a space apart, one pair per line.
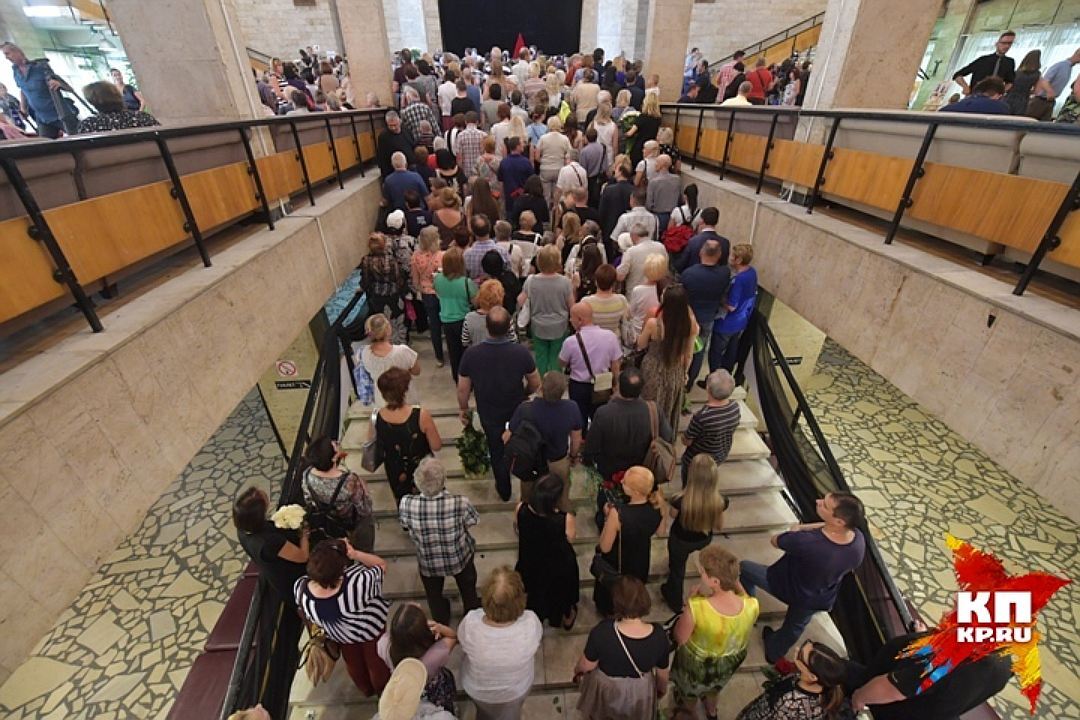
279, 551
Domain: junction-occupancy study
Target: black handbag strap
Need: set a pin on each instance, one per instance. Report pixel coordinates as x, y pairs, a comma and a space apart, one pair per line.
585, 355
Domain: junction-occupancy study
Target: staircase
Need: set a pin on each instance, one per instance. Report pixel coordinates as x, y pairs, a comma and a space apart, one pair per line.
758, 510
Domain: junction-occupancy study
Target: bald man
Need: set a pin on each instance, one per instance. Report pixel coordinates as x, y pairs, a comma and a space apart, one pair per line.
664, 192
594, 356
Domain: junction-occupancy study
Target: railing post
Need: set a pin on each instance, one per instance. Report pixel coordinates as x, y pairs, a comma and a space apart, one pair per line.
768, 149
40, 230
1050, 239
374, 140
727, 143
253, 170
697, 140
356, 144
825, 158
190, 225
333, 152
677, 126
303, 162
917, 172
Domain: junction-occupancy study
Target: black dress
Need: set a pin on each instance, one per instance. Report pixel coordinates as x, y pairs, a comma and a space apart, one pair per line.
403, 447
634, 544
548, 565
647, 127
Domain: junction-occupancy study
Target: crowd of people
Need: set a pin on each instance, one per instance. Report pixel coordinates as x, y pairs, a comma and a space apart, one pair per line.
579, 289
740, 82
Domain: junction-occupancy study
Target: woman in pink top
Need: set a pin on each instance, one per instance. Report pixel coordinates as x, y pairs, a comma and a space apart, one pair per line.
426, 261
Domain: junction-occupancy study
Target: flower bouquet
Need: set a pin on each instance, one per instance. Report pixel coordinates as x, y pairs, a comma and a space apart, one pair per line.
597, 484
473, 449
289, 517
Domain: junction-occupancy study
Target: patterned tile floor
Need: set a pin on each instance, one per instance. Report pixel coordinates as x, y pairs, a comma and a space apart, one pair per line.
920, 480
123, 649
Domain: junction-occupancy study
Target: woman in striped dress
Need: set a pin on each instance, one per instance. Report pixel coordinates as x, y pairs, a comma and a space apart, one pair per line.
346, 601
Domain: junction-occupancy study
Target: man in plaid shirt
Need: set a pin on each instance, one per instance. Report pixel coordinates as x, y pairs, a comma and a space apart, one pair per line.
439, 523
414, 112
469, 144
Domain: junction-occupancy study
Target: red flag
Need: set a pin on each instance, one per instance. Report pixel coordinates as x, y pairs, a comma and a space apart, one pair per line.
518, 45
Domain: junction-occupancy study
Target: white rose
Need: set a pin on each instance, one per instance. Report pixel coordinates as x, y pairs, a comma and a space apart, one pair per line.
289, 517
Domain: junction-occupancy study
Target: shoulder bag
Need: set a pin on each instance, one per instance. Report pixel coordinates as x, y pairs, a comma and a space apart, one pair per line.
602, 383
660, 457
371, 455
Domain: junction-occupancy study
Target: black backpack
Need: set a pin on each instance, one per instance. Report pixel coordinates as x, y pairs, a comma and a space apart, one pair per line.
524, 452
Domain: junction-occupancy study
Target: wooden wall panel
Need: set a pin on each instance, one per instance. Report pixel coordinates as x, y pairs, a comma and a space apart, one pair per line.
320, 163
108, 233
220, 195
747, 151
712, 144
686, 138
367, 145
867, 178
1006, 209
26, 280
346, 152
1069, 250
281, 174
795, 162
807, 38
778, 53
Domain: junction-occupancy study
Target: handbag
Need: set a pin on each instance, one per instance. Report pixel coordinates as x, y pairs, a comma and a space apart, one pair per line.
524, 315
371, 454
601, 568
602, 383
660, 458
319, 655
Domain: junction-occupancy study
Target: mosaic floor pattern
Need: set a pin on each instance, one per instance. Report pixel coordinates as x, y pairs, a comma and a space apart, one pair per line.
920, 480
123, 649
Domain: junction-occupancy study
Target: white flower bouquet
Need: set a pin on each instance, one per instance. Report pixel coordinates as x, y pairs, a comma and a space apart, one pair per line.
289, 517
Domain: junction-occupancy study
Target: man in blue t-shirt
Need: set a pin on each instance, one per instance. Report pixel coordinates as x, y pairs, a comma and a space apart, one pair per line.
739, 306
816, 558
41, 98
706, 286
502, 374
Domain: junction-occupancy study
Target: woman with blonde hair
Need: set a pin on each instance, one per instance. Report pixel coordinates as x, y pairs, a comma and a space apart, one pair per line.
517, 129
455, 292
551, 153
645, 298
554, 90
607, 134
569, 233
487, 167
550, 296
452, 223
646, 125
499, 640
497, 77
425, 263
384, 281
474, 331
713, 631
698, 512
626, 537
380, 355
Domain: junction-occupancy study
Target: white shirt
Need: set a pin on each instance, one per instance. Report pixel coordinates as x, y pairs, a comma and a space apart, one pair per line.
400, 356
632, 268
447, 93
738, 100
635, 215
500, 131
499, 661
572, 176
521, 72
607, 135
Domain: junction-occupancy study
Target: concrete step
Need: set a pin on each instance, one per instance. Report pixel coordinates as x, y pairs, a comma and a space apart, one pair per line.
766, 511
746, 445
737, 477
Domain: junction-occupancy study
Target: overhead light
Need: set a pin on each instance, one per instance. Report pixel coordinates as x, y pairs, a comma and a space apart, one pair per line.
49, 12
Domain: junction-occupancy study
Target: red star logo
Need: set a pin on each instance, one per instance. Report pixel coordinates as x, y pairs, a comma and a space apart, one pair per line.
981, 571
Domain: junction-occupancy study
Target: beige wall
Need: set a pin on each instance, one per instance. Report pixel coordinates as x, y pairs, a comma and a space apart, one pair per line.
278, 27
98, 426
999, 370
720, 28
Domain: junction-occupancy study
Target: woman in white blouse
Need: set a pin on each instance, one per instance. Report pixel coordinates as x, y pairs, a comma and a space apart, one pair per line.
381, 355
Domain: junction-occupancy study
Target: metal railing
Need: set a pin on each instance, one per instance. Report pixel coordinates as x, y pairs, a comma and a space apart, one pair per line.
10, 155
775, 39
1049, 240
266, 675
870, 610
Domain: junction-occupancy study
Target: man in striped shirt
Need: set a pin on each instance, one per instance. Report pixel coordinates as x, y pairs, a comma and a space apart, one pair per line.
713, 426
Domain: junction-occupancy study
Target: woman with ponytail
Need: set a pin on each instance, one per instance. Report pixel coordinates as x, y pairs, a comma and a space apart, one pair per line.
815, 693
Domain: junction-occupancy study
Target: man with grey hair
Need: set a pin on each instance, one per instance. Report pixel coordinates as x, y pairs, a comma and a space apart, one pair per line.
742, 98
402, 180
631, 270
713, 426
438, 523
390, 141
637, 213
413, 112
664, 192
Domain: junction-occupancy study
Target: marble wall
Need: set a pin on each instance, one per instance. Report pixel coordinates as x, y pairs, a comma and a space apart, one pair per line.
95, 428
1000, 370
721, 28
279, 27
